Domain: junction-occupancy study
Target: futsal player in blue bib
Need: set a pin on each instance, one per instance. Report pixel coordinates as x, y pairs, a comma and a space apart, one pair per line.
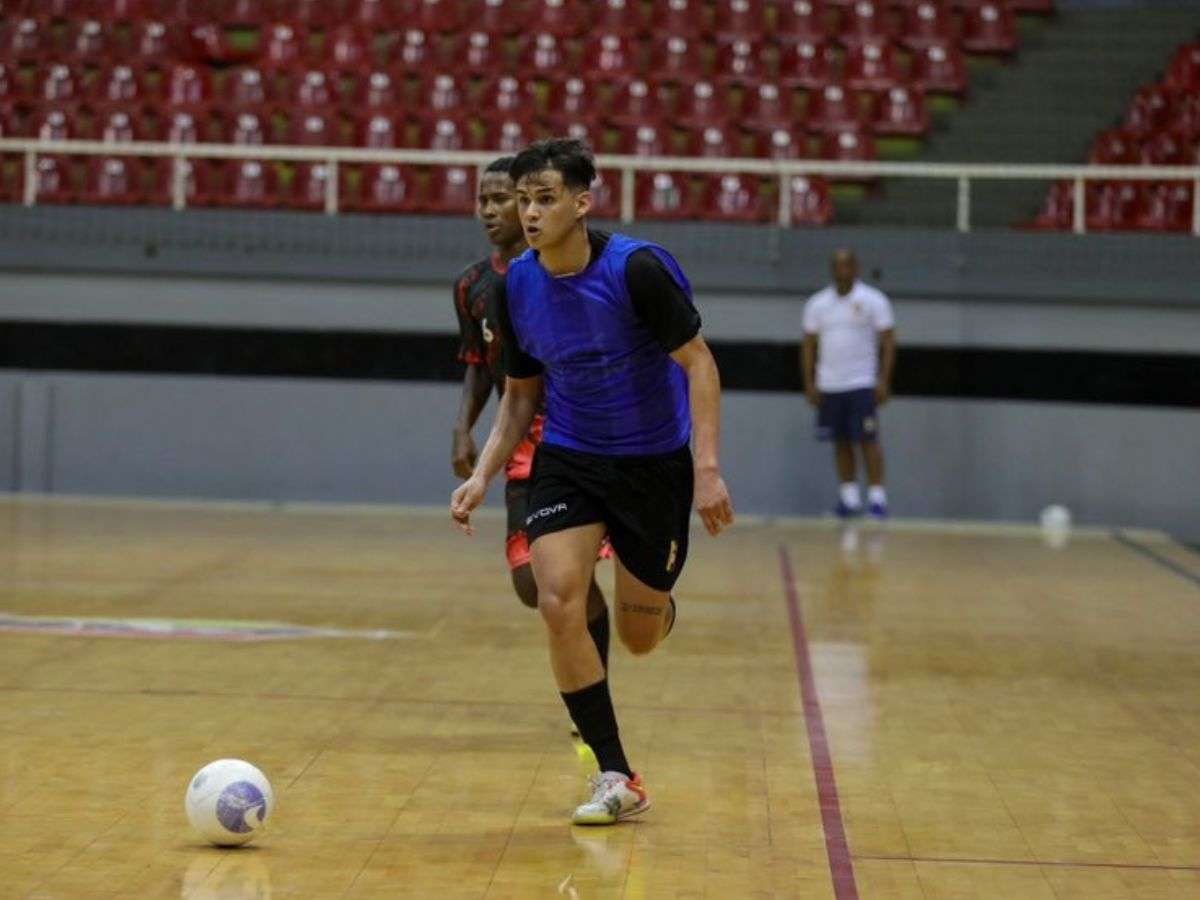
607, 325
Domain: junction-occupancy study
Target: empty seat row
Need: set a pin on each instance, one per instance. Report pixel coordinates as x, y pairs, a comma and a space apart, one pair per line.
1121, 206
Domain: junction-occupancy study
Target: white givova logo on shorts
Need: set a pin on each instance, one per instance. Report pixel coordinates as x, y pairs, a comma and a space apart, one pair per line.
546, 511
672, 554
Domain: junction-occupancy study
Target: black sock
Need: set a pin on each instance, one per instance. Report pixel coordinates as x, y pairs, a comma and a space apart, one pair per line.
591, 710
598, 629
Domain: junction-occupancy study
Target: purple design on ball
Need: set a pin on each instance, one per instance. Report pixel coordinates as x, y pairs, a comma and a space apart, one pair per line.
235, 802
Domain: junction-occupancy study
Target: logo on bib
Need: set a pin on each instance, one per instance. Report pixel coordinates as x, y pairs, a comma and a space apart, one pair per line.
544, 512
674, 551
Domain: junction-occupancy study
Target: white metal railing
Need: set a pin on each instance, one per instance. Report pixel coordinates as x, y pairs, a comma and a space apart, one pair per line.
962, 173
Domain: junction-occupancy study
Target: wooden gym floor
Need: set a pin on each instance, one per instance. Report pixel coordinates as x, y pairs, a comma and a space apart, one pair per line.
916, 712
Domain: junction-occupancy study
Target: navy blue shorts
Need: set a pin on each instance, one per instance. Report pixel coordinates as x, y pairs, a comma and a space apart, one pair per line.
848, 416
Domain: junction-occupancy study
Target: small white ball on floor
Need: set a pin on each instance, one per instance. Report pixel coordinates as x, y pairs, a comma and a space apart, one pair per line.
1056, 525
228, 802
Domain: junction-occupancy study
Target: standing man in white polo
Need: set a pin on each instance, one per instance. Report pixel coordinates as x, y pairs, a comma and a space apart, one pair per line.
847, 357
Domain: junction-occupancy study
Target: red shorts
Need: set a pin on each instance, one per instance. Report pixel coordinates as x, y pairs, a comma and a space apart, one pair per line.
516, 498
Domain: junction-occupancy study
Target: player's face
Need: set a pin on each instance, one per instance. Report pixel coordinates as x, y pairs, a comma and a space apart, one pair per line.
845, 270
497, 209
549, 210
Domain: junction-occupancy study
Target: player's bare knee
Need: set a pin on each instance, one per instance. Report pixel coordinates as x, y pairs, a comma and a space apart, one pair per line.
559, 610
525, 586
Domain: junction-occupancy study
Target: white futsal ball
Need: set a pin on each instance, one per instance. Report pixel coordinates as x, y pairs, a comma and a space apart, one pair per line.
228, 802
1056, 518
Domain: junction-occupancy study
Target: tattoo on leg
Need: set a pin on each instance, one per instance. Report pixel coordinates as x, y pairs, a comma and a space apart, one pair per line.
637, 608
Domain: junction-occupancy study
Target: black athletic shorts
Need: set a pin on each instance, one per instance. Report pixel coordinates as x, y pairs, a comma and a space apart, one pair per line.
645, 501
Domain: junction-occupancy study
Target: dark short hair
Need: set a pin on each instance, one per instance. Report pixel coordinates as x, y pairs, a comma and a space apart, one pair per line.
502, 165
568, 156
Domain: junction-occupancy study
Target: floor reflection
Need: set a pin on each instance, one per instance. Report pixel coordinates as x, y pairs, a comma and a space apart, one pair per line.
240, 874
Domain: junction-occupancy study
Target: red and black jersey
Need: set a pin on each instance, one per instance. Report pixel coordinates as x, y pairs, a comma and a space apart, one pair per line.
476, 295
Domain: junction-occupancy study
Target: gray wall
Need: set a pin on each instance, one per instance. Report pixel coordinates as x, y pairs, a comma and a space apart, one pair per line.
278, 439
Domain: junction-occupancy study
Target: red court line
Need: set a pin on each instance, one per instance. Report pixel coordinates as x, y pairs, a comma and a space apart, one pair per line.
1028, 862
841, 867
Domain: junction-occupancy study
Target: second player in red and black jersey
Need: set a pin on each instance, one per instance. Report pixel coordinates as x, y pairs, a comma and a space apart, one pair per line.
478, 291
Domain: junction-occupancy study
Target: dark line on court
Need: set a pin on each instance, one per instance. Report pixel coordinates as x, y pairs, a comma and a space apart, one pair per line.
1121, 538
1026, 862
841, 865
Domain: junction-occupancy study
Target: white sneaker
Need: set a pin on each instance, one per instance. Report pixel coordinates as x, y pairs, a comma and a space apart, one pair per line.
614, 796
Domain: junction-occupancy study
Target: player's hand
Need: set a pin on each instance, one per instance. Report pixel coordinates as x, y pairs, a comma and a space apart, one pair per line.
883, 393
463, 501
712, 501
813, 395
462, 454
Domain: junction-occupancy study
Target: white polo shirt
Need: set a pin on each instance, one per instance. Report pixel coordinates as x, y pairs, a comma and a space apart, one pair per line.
847, 329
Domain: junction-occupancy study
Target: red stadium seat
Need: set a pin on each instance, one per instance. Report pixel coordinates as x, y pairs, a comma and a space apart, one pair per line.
571, 100
239, 13
114, 181
121, 85
1183, 74
1058, 210
313, 128
482, 54
989, 28
310, 13
1115, 148
385, 189
802, 20
714, 142
309, 185
183, 128
507, 98
645, 140
739, 20
88, 43
768, 108
1166, 207
677, 60
606, 195
586, 131
250, 184
52, 180
703, 104
1185, 114
901, 111
29, 41
418, 51
54, 125
1112, 206
809, 201
189, 86
866, 21
1149, 111
508, 135
940, 69
10, 88
247, 129
806, 64
380, 131
119, 127
451, 190
848, 145
447, 133
201, 181
314, 89
59, 84
872, 66
379, 89
64, 9
499, 17
542, 56
610, 57
247, 88
438, 16
740, 62
679, 18
286, 46
663, 196
441, 95
622, 17
561, 18
374, 15
783, 143
134, 10
211, 43
349, 49
926, 24
154, 43
834, 109
634, 103
1164, 148
732, 197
